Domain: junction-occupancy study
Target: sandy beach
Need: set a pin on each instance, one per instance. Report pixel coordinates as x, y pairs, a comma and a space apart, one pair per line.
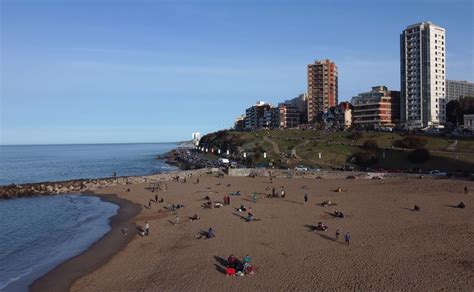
391, 248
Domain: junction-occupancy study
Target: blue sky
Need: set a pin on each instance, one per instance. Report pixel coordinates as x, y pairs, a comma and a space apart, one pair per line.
152, 71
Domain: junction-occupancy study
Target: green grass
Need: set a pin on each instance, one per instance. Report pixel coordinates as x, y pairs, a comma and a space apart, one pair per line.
326, 143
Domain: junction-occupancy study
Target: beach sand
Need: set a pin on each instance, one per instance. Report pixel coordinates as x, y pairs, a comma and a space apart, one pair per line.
392, 247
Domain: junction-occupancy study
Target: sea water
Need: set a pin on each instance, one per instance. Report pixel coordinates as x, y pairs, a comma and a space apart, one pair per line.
40, 163
38, 233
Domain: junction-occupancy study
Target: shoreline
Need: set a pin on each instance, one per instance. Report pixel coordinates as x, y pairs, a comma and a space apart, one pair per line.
62, 277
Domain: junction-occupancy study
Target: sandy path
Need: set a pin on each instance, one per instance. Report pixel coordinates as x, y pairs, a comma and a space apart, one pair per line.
392, 247
275, 146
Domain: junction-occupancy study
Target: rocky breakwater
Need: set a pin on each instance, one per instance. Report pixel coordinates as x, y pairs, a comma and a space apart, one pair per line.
83, 185
186, 159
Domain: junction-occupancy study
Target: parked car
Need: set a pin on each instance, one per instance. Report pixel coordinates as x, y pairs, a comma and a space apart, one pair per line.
348, 168
438, 173
301, 168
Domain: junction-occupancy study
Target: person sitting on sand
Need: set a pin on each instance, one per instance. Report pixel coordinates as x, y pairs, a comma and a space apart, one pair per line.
283, 194
246, 259
242, 208
161, 200
461, 205
207, 198
338, 190
250, 211
195, 218
232, 261
248, 269
326, 203
250, 217
218, 205
416, 208
210, 233
338, 214
321, 227
230, 272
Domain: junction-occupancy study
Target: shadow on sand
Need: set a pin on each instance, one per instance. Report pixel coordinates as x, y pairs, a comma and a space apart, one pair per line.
221, 265
294, 202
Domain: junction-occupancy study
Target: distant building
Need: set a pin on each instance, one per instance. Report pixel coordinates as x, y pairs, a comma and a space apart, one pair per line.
423, 77
339, 117
290, 116
293, 112
239, 123
377, 108
322, 88
196, 137
254, 115
271, 118
469, 122
457, 89
347, 108
261, 115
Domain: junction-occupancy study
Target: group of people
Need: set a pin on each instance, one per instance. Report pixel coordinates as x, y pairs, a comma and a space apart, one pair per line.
326, 203
338, 213
321, 227
239, 268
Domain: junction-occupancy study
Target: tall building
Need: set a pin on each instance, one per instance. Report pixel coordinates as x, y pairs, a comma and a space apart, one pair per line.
377, 108
457, 89
423, 77
322, 88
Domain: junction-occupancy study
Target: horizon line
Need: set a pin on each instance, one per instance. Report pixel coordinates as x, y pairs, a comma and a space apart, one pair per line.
95, 143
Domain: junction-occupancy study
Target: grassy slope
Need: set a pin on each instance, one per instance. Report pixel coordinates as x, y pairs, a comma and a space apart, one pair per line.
336, 147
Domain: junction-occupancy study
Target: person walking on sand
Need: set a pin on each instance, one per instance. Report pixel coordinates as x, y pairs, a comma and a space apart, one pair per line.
156, 198
337, 234
347, 238
305, 199
282, 193
254, 197
197, 180
147, 228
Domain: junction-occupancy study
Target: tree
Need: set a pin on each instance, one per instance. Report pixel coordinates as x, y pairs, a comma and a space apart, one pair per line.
456, 109
419, 155
370, 145
412, 142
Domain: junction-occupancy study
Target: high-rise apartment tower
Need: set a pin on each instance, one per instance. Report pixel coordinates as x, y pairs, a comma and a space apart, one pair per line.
423, 75
322, 88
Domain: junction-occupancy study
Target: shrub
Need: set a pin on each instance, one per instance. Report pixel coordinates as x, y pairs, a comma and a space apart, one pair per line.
370, 145
365, 158
419, 155
355, 135
412, 142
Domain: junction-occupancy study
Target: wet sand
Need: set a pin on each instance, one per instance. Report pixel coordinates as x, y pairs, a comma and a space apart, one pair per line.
392, 247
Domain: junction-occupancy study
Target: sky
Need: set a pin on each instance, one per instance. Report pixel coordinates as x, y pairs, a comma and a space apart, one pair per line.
108, 71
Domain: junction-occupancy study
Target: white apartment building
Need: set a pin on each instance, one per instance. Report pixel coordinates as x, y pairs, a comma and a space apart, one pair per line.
423, 75
456, 89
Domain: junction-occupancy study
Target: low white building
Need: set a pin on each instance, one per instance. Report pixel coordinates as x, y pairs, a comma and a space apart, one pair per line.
469, 122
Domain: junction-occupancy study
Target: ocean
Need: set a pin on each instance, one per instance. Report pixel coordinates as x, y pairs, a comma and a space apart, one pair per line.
40, 163
38, 233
